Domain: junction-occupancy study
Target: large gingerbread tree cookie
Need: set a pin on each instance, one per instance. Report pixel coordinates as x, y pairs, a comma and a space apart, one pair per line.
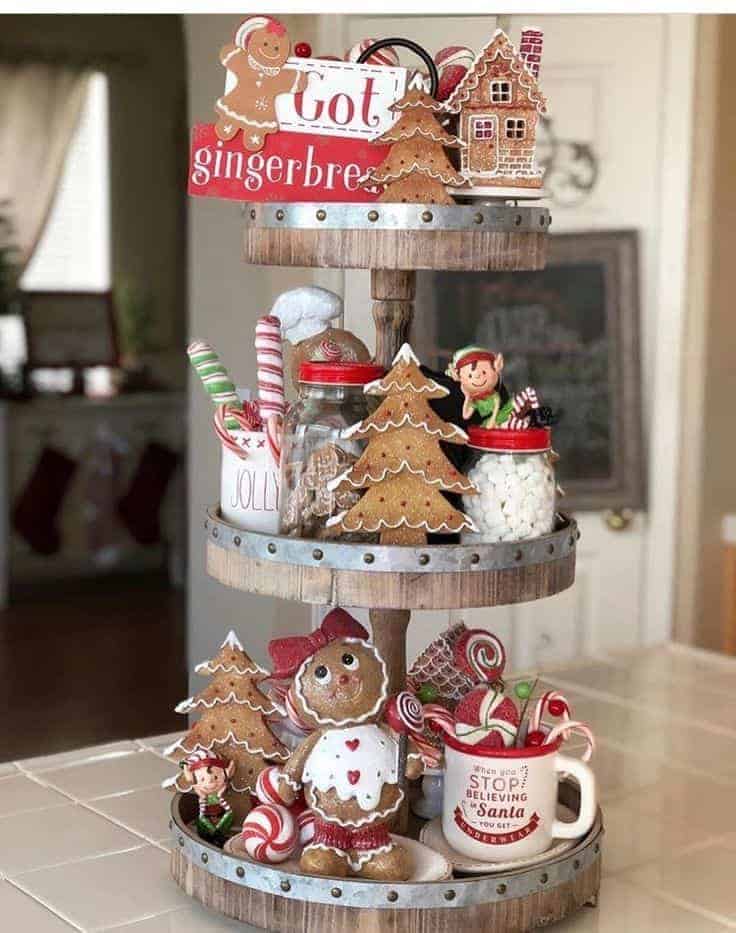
403, 467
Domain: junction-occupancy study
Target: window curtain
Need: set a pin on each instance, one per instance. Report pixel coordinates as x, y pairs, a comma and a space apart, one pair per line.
40, 106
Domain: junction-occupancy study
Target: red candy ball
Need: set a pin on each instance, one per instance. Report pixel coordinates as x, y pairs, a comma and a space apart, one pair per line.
557, 707
303, 50
535, 739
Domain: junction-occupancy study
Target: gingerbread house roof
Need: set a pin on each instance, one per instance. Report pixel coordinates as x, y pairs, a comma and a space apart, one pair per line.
500, 46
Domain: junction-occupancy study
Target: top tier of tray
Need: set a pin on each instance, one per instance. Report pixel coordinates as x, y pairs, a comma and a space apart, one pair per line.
481, 237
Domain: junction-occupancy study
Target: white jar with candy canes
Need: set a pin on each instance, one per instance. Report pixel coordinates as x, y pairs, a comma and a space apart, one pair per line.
314, 450
513, 471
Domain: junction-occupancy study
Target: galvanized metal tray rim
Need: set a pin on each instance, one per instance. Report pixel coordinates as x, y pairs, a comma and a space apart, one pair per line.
471, 218
349, 892
370, 558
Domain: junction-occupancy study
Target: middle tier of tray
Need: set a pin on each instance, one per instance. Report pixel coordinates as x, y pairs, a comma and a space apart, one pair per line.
448, 576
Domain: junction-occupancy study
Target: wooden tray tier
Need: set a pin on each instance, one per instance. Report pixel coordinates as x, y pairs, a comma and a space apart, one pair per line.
454, 576
469, 238
289, 902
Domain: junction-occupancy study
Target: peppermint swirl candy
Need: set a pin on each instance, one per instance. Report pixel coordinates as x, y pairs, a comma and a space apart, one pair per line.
330, 351
404, 713
481, 655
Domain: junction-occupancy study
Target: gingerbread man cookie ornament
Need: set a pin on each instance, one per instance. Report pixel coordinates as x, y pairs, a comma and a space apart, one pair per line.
256, 60
349, 765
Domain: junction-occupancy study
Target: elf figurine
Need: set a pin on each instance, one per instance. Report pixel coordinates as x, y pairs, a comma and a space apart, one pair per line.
210, 776
479, 373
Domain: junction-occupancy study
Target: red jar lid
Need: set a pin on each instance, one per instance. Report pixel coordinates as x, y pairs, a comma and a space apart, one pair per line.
339, 374
507, 439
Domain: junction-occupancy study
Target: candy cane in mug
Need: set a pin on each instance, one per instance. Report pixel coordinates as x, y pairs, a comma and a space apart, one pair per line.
550, 702
564, 729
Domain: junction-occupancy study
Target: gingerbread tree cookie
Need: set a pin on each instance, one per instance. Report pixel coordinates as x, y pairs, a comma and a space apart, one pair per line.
416, 169
233, 722
403, 467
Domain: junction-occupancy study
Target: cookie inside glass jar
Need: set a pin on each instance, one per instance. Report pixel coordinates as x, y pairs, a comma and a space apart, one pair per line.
314, 451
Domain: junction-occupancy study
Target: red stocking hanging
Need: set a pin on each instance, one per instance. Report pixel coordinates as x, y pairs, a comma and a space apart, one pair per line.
140, 507
37, 507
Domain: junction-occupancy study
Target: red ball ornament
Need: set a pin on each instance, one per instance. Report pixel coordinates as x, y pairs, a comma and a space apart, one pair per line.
557, 707
303, 50
535, 739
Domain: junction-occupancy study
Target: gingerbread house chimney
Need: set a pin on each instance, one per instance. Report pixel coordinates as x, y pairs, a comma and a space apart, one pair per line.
530, 49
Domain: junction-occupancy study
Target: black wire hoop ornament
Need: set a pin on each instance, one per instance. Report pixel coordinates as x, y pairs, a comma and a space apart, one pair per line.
413, 47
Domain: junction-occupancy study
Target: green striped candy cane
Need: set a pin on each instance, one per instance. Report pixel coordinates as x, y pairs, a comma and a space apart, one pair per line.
215, 378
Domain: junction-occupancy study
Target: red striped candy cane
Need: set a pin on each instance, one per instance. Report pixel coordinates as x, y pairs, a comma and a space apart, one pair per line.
564, 729
550, 702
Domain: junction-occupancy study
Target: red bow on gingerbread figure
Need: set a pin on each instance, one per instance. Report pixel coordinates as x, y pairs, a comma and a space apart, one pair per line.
289, 653
348, 765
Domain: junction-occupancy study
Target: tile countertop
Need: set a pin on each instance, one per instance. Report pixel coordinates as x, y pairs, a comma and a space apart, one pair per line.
85, 833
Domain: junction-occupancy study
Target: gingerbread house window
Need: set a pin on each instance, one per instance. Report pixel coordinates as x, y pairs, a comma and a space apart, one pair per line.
483, 129
500, 92
515, 129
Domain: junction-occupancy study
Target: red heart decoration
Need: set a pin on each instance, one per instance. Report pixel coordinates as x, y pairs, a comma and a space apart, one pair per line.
352, 744
353, 776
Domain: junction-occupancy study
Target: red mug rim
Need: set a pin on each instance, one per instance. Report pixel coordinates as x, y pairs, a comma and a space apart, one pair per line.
531, 751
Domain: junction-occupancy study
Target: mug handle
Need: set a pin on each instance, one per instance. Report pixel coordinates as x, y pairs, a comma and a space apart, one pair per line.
588, 803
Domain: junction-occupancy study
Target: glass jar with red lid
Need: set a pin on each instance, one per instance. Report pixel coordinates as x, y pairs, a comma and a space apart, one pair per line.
513, 471
313, 449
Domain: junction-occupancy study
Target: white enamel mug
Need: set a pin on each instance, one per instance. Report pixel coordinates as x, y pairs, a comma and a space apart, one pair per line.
249, 486
501, 804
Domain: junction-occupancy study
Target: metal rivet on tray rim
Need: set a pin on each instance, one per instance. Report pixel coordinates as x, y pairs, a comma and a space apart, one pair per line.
317, 554
424, 559
336, 892
450, 895
240, 871
321, 215
285, 885
368, 558
271, 548
427, 216
392, 896
205, 857
280, 215
373, 216
236, 540
501, 889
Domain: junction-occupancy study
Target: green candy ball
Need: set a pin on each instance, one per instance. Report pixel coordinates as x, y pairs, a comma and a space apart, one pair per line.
428, 693
523, 690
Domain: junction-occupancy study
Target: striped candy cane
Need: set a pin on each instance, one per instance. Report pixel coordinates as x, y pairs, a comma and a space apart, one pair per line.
550, 702
270, 361
523, 403
564, 729
215, 378
439, 718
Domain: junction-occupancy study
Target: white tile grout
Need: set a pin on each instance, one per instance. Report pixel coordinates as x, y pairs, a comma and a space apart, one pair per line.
47, 907
83, 858
125, 923
637, 706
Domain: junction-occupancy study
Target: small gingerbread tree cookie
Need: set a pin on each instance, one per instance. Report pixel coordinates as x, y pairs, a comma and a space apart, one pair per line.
416, 169
233, 722
403, 467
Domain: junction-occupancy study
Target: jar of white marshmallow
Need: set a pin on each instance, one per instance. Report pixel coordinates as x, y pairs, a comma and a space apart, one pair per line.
514, 474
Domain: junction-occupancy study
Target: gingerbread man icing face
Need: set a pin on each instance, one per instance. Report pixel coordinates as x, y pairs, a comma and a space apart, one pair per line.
345, 682
269, 47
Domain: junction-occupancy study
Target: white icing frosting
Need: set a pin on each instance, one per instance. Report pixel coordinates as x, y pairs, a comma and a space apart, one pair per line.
356, 762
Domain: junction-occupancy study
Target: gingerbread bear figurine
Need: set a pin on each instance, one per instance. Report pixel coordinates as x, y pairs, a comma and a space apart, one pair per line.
256, 60
349, 765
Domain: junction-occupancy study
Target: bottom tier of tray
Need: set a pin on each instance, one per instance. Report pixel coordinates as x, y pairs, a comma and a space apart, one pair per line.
286, 901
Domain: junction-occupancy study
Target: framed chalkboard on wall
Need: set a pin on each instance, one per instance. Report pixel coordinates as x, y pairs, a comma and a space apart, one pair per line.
572, 330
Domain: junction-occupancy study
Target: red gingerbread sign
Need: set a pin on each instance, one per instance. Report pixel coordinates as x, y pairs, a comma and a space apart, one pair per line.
292, 129
290, 167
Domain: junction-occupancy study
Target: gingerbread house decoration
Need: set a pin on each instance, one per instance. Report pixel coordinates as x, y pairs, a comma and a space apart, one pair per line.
498, 103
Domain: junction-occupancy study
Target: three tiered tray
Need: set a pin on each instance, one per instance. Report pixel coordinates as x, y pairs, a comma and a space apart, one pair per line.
393, 241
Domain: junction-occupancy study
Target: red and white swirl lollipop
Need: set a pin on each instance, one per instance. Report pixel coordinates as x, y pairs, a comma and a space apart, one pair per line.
404, 713
270, 833
481, 655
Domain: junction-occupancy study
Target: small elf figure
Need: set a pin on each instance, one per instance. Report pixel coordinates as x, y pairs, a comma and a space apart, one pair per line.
210, 776
479, 373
